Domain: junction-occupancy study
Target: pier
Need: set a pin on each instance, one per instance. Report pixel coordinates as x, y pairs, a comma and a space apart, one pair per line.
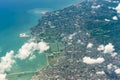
22, 73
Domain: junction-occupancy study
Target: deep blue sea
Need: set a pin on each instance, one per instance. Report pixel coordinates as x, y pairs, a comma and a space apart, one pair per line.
18, 16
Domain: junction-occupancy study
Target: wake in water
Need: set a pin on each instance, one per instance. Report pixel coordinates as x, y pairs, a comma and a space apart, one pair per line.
39, 11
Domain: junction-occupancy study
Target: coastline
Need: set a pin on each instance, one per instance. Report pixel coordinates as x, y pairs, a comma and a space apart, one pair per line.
73, 26
76, 42
43, 72
20, 72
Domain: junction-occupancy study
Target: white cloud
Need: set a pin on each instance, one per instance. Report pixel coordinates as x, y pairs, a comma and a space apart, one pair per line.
28, 48
6, 62
89, 60
100, 73
90, 45
42, 46
117, 71
114, 54
115, 18
24, 52
100, 48
110, 66
118, 8
2, 76
109, 48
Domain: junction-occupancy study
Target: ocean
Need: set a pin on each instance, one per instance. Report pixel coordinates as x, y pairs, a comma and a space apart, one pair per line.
18, 16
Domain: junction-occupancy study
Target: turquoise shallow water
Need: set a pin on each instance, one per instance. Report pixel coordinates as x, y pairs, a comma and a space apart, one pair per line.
18, 16
15, 18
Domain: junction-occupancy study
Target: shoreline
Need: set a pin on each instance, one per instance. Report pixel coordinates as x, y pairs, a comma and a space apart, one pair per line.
74, 27
17, 48
41, 71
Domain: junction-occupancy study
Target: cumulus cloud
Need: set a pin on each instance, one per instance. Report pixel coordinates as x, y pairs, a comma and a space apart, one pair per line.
90, 45
2, 76
89, 60
100, 73
117, 71
42, 46
118, 8
110, 66
109, 48
114, 54
100, 48
24, 52
6, 62
28, 48
115, 18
